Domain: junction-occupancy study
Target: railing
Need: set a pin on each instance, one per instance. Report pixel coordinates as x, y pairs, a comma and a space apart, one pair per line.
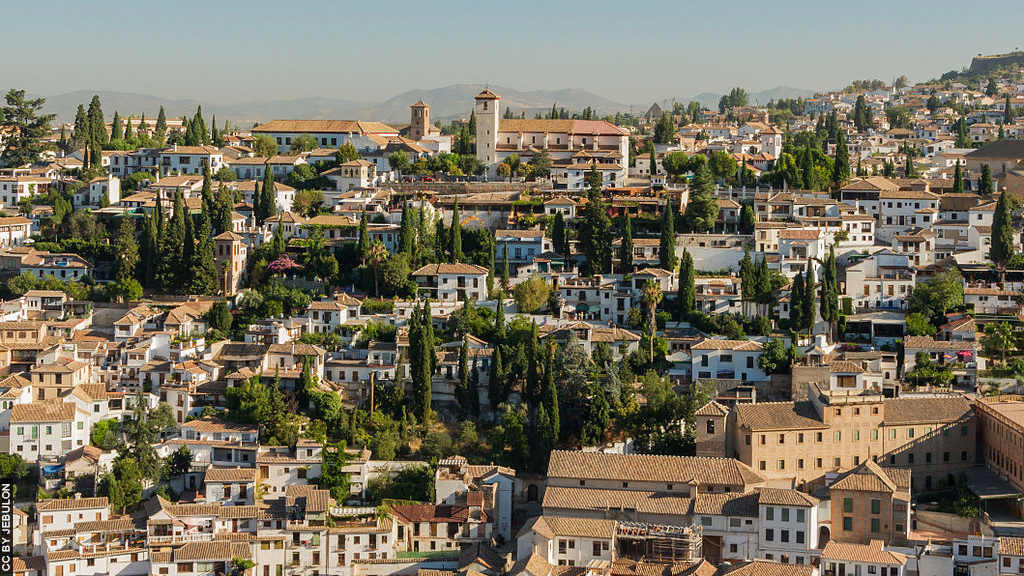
201, 537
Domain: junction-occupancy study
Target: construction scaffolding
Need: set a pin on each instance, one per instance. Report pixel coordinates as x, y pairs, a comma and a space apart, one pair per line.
658, 542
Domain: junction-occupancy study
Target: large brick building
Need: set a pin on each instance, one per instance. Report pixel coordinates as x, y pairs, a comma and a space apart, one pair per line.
833, 431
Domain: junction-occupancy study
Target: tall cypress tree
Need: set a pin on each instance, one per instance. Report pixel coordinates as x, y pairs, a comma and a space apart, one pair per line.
456, 233
958, 179
188, 250
81, 135
200, 126
268, 205
687, 294
595, 231
504, 266
204, 266
115, 128
533, 382
1001, 250
406, 233
667, 247
128, 128
463, 394
126, 249
796, 303
985, 185
499, 319
549, 394
841, 167
558, 234
363, 243
626, 249
496, 382
172, 243
748, 277
807, 311
807, 169
160, 132
98, 136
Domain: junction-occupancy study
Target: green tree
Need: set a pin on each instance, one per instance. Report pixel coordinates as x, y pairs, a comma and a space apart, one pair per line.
626, 248
775, 358
347, 153
919, 325
116, 132
598, 417
651, 296
98, 136
12, 467
160, 131
1001, 250
303, 143
809, 293
722, 165
667, 259
985, 185
171, 251
558, 239
541, 164
333, 461
126, 249
406, 232
841, 167
664, 129
702, 209
456, 233
687, 298
496, 393
958, 179
937, 295
531, 294
219, 317
263, 146
797, 322
463, 392
24, 142
363, 242
595, 230
399, 161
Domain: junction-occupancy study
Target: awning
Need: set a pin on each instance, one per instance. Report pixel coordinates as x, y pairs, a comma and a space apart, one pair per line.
987, 485
53, 469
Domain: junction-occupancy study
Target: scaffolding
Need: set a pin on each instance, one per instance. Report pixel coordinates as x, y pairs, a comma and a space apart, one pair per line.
658, 542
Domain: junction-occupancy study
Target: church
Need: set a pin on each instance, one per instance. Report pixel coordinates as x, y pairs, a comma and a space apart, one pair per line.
574, 145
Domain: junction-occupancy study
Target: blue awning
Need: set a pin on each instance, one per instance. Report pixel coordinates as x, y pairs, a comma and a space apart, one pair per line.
53, 469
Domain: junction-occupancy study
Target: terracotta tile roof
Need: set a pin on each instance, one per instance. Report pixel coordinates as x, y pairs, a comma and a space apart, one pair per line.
1011, 545
43, 412
712, 408
553, 526
224, 474
799, 234
728, 504
913, 410
784, 497
113, 525
929, 343
778, 416
870, 477
212, 551
872, 553
643, 501
846, 367
325, 127
738, 345
212, 424
438, 269
768, 568
651, 468
71, 504
410, 513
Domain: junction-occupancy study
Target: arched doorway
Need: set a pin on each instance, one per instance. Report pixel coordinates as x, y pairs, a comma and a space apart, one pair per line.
531, 493
824, 535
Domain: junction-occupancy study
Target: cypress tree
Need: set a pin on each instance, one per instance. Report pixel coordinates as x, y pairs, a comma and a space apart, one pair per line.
160, 133
499, 318
406, 233
667, 247
204, 266
595, 231
214, 133
958, 179
225, 208
687, 288
626, 249
495, 384
748, 276
456, 233
558, 234
126, 249
1001, 250
424, 247
1007, 110
549, 394
115, 129
172, 243
841, 167
807, 312
504, 266
81, 135
98, 136
200, 127
807, 169
763, 283
188, 250
532, 369
428, 336
462, 389
363, 243
796, 305
150, 244
128, 128
985, 184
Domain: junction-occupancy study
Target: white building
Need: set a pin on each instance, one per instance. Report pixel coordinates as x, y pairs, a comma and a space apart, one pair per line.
727, 359
452, 281
47, 430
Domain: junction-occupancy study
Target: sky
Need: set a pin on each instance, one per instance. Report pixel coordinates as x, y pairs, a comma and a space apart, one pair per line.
631, 52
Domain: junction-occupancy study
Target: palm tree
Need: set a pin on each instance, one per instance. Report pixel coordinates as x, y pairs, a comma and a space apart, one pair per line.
651, 298
1000, 337
377, 256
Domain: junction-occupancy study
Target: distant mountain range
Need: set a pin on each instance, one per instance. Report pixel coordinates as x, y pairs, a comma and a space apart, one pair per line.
446, 103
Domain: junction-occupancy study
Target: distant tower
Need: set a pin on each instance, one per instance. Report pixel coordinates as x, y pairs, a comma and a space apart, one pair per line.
771, 142
230, 257
711, 433
420, 124
487, 128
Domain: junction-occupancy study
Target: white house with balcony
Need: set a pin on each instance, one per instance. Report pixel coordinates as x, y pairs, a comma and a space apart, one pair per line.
727, 359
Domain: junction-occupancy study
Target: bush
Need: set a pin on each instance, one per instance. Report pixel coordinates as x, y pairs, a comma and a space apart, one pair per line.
373, 306
531, 294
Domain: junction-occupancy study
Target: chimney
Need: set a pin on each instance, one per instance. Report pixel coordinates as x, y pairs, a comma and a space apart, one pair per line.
175, 146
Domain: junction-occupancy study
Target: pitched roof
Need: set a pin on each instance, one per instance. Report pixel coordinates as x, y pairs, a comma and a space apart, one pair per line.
43, 412
872, 553
71, 504
325, 126
437, 269
778, 416
215, 550
910, 410
226, 474
712, 408
769, 568
738, 345
643, 501
785, 497
870, 477
553, 526
1000, 149
727, 504
1011, 545
651, 468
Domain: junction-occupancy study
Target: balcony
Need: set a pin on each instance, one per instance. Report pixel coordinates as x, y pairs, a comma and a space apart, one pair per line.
176, 538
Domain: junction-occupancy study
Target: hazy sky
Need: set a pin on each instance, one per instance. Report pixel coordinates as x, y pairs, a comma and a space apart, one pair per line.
628, 51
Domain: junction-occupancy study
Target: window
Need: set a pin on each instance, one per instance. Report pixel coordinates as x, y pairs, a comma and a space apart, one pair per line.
769, 513
782, 464
874, 434
839, 436
597, 548
847, 523
800, 463
963, 456
910, 458
705, 520
876, 506
799, 537
762, 465
734, 522
847, 504
784, 535
818, 437
800, 438
874, 525
910, 432
782, 438
838, 462
769, 535
800, 515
